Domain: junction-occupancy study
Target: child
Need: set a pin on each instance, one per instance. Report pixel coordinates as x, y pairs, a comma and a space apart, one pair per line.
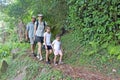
47, 43
57, 48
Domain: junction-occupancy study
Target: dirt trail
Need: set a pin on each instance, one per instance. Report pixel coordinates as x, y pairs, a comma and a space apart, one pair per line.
82, 73
20, 74
76, 72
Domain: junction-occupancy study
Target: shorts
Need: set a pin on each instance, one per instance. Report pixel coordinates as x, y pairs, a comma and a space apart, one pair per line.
58, 52
39, 39
48, 47
31, 40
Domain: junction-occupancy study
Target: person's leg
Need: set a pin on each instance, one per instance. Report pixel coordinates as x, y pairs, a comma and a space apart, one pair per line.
61, 55
48, 57
60, 60
55, 57
40, 50
32, 45
47, 54
32, 48
50, 51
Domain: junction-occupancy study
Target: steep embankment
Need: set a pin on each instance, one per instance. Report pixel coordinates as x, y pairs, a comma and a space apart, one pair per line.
26, 67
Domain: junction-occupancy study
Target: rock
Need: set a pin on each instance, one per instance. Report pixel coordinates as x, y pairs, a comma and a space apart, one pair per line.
14, 53
4, 66
44, 70
114, 70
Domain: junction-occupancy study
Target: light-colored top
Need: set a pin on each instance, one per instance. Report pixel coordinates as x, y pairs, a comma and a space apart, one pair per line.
48, 37
40, 29
30, 29
57, 44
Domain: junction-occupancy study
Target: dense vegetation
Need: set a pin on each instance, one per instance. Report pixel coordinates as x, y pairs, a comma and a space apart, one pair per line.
96, 23
18, 10
93, 25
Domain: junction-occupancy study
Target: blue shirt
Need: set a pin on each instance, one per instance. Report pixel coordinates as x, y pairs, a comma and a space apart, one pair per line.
30, 29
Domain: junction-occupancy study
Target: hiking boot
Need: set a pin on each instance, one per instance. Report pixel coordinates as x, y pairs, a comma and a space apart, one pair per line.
34, 54
47, 62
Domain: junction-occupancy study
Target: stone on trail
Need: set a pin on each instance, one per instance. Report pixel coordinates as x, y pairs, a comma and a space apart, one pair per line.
14, 53
44, 70
4, 66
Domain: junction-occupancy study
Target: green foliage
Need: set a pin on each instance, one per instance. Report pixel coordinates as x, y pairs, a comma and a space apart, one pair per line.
10, 42
54, 11
34, 69
91, 56
114, 50
4, 51
96, 22
92, 24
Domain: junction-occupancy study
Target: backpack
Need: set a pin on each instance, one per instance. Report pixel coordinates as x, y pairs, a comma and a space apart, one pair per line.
38, 24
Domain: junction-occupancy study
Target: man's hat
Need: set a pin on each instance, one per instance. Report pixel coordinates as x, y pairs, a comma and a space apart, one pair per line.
40, 15
33, 17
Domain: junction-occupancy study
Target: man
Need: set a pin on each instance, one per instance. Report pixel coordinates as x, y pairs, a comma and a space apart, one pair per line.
39, 30
30, 33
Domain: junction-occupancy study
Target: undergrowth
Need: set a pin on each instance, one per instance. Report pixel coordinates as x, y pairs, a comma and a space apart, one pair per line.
75, 54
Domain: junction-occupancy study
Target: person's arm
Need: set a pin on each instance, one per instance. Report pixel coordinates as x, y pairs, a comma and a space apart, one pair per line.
53, 45
45, 41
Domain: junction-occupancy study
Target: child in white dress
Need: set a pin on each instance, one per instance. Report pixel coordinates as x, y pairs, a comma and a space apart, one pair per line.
57, 48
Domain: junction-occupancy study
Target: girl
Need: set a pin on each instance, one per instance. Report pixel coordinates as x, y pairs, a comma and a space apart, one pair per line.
47, 43
57, 48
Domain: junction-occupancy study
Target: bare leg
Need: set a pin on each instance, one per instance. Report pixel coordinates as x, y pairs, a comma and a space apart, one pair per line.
50, 51
60, 60
55, 57
32, 48
40, 49
47, 55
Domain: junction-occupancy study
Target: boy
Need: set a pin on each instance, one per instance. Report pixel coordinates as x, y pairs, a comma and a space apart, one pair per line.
47, 43
57, 48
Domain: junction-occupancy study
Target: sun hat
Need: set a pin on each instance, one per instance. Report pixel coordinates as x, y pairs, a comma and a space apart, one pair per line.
33, 17
40, 15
